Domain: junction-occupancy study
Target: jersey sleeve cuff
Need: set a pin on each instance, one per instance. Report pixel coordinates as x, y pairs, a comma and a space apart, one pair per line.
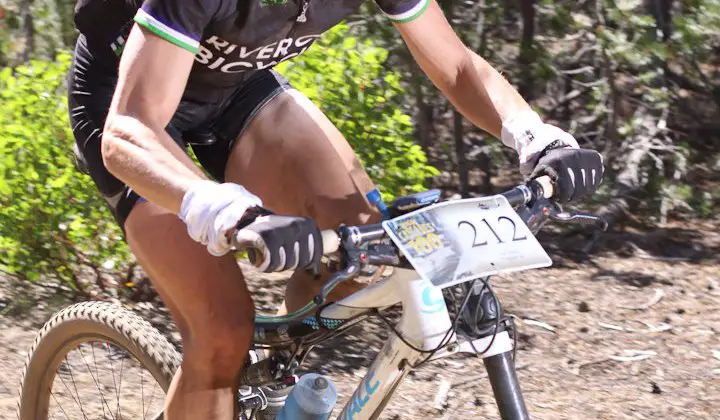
410, 14
153, 25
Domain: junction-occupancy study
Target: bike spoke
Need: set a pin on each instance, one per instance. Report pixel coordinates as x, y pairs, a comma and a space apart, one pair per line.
152, 397
72, 377
112, 369
97, 374
81, 385
118, 390
97, 384
77, 400
52, 394
142, 391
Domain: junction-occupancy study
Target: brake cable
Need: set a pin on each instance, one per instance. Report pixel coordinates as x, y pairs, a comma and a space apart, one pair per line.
443, 342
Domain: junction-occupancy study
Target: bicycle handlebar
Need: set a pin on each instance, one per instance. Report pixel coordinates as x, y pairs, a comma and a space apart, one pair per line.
518, 196
350, 238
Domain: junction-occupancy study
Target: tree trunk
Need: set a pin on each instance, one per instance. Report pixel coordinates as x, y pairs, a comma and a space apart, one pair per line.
484, 161
425, 120
608, 72
65, 10
661, 10
485, 165
28, 30
527, 50
462, 164
458, 131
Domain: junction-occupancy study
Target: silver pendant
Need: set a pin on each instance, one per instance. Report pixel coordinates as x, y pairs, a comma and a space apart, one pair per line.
301, 17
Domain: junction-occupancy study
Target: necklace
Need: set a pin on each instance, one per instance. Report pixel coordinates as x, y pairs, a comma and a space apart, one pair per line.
302, 18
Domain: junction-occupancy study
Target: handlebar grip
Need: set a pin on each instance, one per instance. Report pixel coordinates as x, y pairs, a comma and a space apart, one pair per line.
330, 240
547, 186
252, 243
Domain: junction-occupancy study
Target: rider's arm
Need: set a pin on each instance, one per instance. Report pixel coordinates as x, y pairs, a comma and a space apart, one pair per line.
474, 87
135, 146
481, 94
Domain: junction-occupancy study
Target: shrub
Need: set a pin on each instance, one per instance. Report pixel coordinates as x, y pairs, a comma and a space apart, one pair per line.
52, 220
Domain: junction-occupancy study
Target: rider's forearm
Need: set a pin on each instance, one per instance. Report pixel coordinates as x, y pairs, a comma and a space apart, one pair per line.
148, 160
476, 89
483, 95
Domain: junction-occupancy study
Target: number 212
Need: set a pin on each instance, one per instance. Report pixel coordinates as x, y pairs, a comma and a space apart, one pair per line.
474, 229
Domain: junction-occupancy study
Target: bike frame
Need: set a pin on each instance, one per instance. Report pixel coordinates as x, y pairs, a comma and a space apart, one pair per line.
425, 323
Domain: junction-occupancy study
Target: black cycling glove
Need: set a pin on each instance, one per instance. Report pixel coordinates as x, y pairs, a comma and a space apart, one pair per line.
286, 242
576, 172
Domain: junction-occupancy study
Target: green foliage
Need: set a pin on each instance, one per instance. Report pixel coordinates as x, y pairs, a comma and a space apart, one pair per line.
52, 21
601, 69
346, 77
52, 220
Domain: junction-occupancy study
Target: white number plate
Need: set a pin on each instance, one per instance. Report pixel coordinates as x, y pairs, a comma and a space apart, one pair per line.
458, 241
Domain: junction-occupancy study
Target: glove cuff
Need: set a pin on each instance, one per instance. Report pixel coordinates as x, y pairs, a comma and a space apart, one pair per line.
251, 214
520, 130
530, 137
203, 202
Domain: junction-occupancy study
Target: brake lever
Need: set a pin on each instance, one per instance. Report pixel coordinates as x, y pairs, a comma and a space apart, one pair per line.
536, 215
579, 219
350, 271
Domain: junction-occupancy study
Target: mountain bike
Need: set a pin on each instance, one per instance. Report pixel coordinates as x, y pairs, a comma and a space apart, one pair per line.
443, 254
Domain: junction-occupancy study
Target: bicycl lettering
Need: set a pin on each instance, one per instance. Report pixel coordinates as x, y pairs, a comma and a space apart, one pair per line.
359, 400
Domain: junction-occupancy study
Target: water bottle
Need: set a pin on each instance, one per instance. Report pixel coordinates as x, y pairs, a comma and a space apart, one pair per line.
312, 398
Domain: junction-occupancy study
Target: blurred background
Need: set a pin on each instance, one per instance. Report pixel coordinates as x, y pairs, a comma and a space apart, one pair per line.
638, 80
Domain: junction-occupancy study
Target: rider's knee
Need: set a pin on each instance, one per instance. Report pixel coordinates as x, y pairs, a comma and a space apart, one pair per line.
219, 348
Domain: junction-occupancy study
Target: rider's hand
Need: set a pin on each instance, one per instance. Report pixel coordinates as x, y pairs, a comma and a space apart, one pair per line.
210, 209
545, 149
286, 242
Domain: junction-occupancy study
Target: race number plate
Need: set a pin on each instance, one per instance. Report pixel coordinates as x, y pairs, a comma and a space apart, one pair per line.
461, 240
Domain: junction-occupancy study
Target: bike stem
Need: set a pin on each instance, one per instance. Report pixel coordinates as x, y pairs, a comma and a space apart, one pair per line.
500, 367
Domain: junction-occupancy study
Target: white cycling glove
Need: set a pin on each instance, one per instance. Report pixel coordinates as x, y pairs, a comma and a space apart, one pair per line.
209, 209
530, 136
548, 150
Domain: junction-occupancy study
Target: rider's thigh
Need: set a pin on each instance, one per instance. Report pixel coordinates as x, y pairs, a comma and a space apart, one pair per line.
206, 295
293, 157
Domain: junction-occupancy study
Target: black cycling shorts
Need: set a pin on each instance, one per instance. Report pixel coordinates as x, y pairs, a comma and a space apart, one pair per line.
209, 126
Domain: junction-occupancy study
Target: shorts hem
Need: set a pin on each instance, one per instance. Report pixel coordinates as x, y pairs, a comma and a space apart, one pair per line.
256, 110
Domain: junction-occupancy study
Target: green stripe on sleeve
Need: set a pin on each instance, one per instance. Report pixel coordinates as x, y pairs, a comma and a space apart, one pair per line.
148, 22
411, 14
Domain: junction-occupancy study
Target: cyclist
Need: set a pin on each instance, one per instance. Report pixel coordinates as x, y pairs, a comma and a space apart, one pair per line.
149, 78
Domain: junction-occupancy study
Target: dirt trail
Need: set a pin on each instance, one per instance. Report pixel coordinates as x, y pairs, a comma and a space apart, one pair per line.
575, 371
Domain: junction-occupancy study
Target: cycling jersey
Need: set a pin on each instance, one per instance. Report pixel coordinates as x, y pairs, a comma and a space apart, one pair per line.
235, 43
230, 38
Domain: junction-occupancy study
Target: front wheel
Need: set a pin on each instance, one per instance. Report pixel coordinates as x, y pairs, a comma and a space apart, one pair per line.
96, 360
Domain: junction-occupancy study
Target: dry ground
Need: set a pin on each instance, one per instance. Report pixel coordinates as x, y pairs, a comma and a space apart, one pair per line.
576, 369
